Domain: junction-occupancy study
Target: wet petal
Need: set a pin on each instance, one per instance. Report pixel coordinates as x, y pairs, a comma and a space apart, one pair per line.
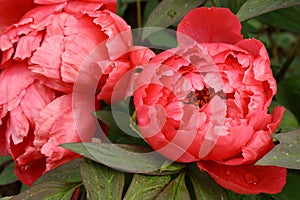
247, 179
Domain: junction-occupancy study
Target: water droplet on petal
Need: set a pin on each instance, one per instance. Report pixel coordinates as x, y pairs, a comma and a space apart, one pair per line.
251, 178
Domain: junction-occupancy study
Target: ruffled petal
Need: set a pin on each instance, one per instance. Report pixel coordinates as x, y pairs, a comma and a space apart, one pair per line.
55, 126
35, 100
210, 25
78, 5
21, 77
247, 179
261, 141
231, 144
30, 165
12, 11
117, 31
18, 125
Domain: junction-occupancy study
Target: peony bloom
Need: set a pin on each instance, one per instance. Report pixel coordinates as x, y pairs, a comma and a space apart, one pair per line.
55, 40
41, 55
207, 101
20, 106
55, 56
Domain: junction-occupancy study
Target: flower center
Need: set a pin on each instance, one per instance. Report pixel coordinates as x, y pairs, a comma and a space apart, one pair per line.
198, 98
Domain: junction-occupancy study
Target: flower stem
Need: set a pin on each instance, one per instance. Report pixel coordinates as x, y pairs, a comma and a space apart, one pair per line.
288, 61
139, 13
213, 3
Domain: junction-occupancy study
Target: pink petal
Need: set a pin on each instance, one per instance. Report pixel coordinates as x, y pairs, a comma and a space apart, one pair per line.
12, 11
33, 169
210, 25
76, 51
119, 68
117, 31
260, 144
261, 141
140, 56
47, 59
55, 126
18, 125
81, 6
35, 100
20, 76
27, 44
247, 179
49, 1
48, 117
55, 84
230, 145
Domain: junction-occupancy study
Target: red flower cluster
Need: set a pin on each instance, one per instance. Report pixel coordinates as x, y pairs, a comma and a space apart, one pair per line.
205, 101
41, 56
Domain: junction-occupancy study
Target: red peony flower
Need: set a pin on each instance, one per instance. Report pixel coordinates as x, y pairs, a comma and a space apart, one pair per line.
54, 57
56, 39
22, 98
208, 99
40, 59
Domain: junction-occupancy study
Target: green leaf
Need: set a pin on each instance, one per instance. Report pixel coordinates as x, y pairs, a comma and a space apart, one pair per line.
286, 19
49, 191
101, 182
234, 6
120, 131
7, 175
4, 159
288, 94
108, 118
128, 158
121, 8
289, 121
253, 8
170, 11
287, 153
162, 39
176, 189
204, 186
146, 187
6, 198
172, 167
68, 172
130, 1
150, 6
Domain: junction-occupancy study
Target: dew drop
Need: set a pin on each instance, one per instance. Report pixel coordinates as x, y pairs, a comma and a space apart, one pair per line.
251, 178
172, 13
